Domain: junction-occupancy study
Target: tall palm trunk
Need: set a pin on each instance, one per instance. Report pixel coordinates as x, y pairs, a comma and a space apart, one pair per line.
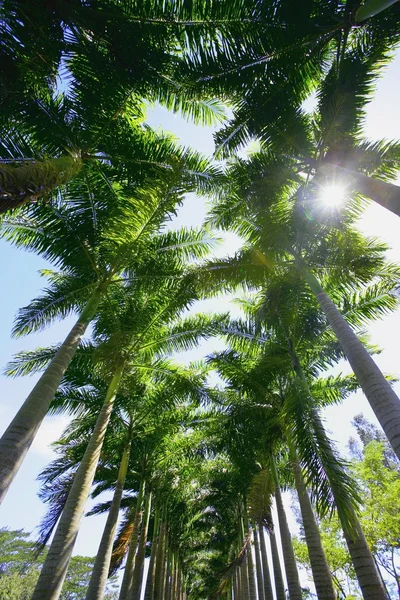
382, 398
160, 563
368, 576
21, 432
141, 554
236, 584
23, 182
268, 594
292, 574
276, 563
250, 567
245, 578
167, 593
364, 564
98, 579
152, 567
55, 565
259, 571
179, 581
133, 542
319, 565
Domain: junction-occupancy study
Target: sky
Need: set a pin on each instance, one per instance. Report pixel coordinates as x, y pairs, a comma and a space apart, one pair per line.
22, 283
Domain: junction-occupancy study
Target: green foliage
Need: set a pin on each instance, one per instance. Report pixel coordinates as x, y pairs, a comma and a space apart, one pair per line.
19, 570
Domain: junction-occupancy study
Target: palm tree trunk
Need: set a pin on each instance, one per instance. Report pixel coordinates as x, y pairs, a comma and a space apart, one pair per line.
276, 563
98, 579
168, 575
259, 571
160, 563
250, 567
21, 432
367, 574
23, 182
55, 565
236, 585
245, 578
141, 554
179, 582
382, 398
319, 565
292, 574
130, 560
152, 567
364, 564
268, 594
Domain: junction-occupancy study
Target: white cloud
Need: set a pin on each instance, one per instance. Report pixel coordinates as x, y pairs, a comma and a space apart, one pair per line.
49, 432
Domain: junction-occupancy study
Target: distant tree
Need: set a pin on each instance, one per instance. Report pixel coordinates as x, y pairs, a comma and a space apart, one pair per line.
19, 570
381, 515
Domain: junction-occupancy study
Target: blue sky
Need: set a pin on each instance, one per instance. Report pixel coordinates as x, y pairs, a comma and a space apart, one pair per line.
21, 508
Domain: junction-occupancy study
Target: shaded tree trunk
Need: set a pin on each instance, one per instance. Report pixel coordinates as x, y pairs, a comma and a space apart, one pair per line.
278, 577
364, 564
292, 574
382, 398
154, 548
160, 564
55, 565
130, 560
244, 578
21, 432
98, 579
23, 182
250, 567
268, 594
259, 571
319, 565
367, 574
141, 554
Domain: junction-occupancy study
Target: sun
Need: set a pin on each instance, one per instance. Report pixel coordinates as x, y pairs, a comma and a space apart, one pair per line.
332, 195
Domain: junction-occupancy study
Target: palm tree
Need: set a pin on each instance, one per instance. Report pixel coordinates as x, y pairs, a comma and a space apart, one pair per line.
80, 238
288, 239
320, 569
330, 53
302, 426
140, 334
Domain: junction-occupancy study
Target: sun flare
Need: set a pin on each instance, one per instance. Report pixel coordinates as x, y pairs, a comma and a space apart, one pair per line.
332, 195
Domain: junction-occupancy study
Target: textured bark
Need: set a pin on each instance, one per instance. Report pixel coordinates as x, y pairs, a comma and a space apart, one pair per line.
152, 567
382, 398
244, 579
292, 575
98, 579
23, 182
250, 567
130, 561
268, 594
179, 582
278, 577
259, 570
21, 432
367, 574
137, 582
236, 584
167, 592
55, 565
160, 565
383, 193
319, 565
